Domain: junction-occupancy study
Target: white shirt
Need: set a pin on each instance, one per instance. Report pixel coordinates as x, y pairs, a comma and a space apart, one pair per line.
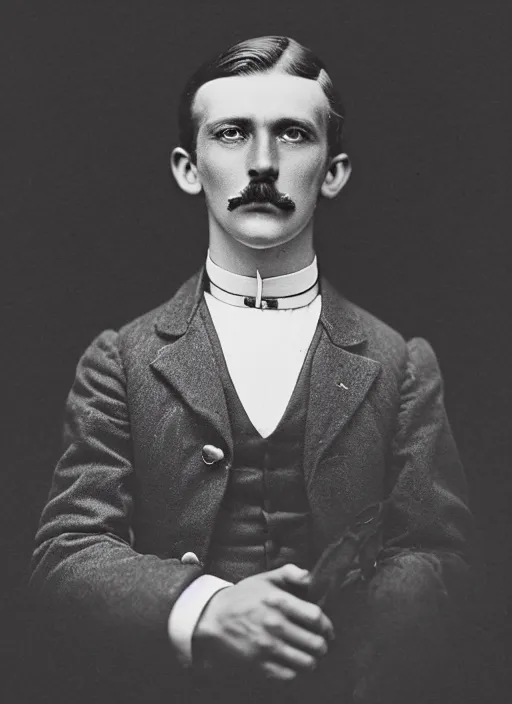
264, 352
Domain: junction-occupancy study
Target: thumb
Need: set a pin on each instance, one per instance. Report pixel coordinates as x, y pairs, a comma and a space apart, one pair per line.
289, 574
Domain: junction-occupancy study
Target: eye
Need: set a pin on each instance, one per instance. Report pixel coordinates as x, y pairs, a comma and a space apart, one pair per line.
230, 134
294, 135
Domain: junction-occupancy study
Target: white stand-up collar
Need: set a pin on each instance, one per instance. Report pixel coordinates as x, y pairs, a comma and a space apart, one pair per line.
276, 292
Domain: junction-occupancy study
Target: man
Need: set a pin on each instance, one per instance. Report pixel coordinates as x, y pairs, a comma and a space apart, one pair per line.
216, 446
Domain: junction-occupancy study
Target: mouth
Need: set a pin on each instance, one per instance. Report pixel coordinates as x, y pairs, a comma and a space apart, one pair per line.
264, 210
264, 207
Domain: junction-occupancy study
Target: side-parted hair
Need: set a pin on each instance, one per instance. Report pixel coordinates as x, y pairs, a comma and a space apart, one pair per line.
258, 56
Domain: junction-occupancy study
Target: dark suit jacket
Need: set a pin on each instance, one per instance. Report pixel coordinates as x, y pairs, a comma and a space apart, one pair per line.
131, 493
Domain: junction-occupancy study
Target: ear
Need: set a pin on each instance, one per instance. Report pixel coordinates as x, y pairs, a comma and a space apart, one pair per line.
336, 176
185, 171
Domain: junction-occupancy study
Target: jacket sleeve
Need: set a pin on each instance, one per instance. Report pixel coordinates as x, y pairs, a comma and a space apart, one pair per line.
401, 630
427, 487
84, 566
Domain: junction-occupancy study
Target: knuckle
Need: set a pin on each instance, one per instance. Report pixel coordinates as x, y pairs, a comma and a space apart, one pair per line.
271, 622
275, 599
265, 644
272, 646
261, 643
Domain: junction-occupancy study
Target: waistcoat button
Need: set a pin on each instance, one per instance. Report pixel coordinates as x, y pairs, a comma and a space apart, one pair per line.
211, 454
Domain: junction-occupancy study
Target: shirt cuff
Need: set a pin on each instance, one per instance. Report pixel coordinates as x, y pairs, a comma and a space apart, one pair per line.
186, 612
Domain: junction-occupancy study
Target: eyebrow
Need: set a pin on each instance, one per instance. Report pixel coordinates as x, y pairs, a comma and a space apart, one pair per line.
246, 122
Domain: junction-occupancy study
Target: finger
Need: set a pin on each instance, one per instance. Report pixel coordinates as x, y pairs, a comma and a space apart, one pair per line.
276, 671
304, 640
288, 574
292, 657
308, 615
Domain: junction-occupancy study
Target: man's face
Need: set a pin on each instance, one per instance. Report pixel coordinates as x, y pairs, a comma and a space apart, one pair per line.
271, 127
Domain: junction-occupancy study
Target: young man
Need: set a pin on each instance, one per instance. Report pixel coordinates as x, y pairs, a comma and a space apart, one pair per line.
216, 446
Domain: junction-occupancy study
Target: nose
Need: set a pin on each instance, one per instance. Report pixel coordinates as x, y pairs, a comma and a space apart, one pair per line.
263, 159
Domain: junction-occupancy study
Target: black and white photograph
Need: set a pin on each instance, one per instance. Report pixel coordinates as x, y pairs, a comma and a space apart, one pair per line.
256, 349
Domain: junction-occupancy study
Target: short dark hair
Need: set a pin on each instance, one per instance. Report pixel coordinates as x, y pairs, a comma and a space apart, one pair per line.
257, 56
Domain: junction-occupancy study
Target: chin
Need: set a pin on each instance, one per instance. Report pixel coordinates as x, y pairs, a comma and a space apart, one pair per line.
262, 240
264, 232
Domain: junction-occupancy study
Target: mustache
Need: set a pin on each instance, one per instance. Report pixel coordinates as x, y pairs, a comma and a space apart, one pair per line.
262, 192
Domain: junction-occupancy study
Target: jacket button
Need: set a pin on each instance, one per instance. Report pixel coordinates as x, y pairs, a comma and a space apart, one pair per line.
190, 558
211, 454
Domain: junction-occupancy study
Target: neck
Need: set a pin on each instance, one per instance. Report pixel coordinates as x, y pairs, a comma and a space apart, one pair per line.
238, 258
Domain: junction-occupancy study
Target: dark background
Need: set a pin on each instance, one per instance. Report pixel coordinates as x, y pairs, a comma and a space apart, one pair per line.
95, 233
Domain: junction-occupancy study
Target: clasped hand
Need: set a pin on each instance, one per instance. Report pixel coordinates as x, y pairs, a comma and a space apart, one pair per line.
261, 624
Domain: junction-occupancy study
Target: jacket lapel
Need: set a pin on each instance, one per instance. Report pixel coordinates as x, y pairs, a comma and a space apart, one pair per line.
340, 379
187, 363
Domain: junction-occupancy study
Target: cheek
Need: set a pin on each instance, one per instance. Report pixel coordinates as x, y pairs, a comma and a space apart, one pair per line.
216, 175
308, 174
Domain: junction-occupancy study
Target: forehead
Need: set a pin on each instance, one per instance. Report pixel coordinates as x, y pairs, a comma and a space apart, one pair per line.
261, 97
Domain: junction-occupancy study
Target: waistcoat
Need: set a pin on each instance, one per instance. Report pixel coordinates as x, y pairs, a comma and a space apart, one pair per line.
264, 518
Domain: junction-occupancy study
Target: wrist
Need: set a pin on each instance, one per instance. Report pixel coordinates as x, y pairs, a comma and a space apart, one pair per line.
187, 611
205, 631
206, 625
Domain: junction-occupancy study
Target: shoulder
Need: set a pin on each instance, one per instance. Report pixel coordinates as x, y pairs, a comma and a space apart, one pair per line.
380, 338
412, 359
169, 320
363, 333
139, 341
